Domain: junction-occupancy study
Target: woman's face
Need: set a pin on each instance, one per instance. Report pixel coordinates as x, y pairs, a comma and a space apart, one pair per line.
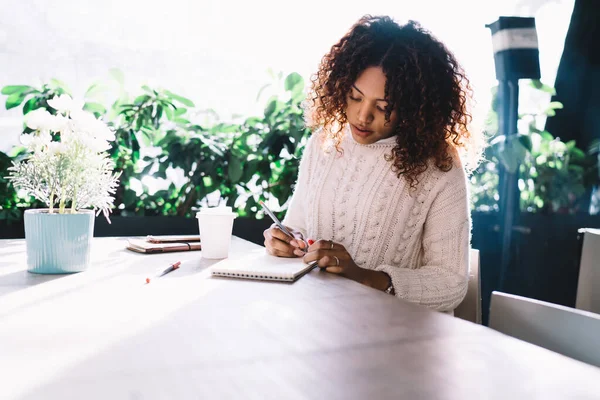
366, 106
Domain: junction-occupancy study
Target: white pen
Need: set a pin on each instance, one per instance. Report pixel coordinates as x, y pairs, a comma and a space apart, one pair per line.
278, 223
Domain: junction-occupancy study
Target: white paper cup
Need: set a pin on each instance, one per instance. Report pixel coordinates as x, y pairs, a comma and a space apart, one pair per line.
216, 227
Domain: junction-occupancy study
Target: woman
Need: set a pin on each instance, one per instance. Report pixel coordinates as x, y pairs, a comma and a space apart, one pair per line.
382, 184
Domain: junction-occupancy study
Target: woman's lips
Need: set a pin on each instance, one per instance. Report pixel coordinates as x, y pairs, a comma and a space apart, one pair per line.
360, 132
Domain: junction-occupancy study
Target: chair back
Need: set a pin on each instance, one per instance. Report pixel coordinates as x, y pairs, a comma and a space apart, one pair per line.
588, 287
568, 331
470, 308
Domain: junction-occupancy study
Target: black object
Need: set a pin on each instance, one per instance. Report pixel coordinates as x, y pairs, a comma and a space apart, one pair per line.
516, 56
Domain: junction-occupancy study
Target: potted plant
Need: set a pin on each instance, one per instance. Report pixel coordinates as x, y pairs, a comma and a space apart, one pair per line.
66, 168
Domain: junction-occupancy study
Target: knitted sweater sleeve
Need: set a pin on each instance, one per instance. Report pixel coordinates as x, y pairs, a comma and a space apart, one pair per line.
295, 216
441, 280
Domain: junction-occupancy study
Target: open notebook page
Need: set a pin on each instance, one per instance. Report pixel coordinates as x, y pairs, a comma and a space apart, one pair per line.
258, 264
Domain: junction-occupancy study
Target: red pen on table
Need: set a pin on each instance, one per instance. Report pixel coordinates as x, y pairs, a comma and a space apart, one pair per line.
171, 268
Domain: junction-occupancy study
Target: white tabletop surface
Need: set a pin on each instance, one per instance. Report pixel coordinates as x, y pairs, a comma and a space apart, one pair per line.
106, 334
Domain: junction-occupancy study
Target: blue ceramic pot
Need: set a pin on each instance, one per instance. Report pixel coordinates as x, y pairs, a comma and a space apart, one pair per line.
58, 243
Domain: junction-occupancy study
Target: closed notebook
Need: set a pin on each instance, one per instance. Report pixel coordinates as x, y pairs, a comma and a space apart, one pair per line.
260, 265
166, 246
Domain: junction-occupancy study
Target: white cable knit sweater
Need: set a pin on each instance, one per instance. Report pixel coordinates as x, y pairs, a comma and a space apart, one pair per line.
420, 238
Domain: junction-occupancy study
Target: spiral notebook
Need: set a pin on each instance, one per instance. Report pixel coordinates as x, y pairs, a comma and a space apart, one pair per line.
260, 265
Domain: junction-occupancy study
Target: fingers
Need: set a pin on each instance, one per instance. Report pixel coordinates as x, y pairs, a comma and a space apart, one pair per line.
278, 234
331, 264
326, 245
322, 248
278, 244
299, 242
330, 256
327, 259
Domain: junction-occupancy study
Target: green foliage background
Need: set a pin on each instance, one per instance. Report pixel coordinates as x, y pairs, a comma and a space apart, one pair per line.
238, 163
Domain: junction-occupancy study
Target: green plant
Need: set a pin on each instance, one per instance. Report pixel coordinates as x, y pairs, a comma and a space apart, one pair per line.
33, 98
485, 179
8, 195
155, 135
240, 163
72, 170
553, 175
144, 122
136, 122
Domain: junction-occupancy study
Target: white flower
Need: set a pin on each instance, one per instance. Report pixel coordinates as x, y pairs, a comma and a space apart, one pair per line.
84, 121
42, 120
57, 148
75, 170
38, 119
37, 140
58, 123
64, 103
94, 144
85, 139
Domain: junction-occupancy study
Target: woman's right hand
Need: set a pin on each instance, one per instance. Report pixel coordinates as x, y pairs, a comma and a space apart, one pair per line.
281, 245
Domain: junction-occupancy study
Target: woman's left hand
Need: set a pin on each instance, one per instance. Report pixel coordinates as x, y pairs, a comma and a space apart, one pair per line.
333, 257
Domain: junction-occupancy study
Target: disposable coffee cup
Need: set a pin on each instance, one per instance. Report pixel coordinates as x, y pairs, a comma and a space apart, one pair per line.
216, 227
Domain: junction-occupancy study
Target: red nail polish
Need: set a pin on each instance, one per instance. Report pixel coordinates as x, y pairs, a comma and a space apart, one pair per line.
310, 242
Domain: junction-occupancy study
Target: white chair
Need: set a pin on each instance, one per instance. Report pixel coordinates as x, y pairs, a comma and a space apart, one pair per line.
588, 287
573, 333
470, 308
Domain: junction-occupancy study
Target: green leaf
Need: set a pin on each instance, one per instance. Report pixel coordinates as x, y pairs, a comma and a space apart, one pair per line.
183, 100
15, 99
577, 169
169, 113
555, 105
525, 140
147, 89
261, 90
235, 169
577, 154
182, 121
158, 114
94, 90
146, 170
16, 89
510, 151
270, 109
129, 197
292, 81
252, 121
141, 99
536, 83
30, 105
249, 170
95, 108
117, 74
179, 111
60, 85
546, 136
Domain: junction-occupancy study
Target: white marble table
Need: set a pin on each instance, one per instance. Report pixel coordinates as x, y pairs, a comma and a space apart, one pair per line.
105, 334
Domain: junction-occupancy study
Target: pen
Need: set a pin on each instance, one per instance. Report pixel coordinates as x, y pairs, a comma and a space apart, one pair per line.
171, 268
277, 222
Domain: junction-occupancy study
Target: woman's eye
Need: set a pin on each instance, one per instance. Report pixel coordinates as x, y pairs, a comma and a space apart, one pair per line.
353, 98
381, 109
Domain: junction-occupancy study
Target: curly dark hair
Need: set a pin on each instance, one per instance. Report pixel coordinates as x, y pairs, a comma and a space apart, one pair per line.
425, 85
